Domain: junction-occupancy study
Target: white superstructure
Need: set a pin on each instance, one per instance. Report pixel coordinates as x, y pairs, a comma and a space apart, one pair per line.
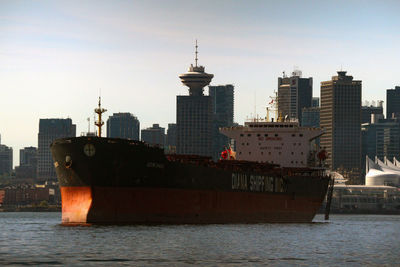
284, 143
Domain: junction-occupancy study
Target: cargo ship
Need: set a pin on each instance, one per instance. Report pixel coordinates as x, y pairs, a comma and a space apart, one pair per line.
120, 181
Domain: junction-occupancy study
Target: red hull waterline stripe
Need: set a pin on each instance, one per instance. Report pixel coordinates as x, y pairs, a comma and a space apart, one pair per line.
82, 205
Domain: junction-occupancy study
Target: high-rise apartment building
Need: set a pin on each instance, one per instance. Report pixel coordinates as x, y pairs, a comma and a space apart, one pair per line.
340, 117
294, 94
6, 159
194, 114
154, 135
222, 97
27, 168
28, 155
49, 130
393, 102
123, 125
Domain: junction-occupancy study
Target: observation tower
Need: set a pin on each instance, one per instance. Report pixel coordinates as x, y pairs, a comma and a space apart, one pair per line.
196, 78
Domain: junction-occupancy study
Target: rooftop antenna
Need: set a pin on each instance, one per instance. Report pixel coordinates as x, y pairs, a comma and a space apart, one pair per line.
88, 119
196, 53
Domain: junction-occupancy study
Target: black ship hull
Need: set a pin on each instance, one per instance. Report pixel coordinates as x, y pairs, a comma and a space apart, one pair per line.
105, 180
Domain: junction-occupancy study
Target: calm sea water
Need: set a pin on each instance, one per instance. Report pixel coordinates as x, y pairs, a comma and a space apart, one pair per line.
39, 239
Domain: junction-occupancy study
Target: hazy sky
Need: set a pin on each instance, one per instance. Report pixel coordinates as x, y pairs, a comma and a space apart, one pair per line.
55, 56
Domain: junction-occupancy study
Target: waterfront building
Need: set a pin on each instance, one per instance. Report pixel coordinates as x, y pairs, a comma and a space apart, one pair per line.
194, 113
123, 125
340, 117
393, 102
6, 159
365, 199
367, 111
154, 135
294, 94
49, 130
222, 97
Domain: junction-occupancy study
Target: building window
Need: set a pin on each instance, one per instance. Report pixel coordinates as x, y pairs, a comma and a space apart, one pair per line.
242, 135
293, 135
276, 135
258, 134
266, 135
300, 135
248, 134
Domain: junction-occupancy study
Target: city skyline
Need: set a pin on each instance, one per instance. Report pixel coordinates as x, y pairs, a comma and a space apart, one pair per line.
58, 56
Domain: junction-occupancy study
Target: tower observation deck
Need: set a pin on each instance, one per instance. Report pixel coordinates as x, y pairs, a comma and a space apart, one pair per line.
196, 78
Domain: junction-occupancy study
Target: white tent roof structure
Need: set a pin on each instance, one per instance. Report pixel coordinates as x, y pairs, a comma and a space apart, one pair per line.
382, 173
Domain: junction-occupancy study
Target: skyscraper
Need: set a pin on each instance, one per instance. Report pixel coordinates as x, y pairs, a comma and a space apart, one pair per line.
315, 102
123, 125
340, 117
194, 113
367, 111
222, 97
170, 142
49, 130
6, 159
154, 135
381, 138
294, 94
393, 102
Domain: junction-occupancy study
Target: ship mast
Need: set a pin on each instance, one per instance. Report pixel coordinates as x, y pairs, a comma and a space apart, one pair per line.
99, 111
